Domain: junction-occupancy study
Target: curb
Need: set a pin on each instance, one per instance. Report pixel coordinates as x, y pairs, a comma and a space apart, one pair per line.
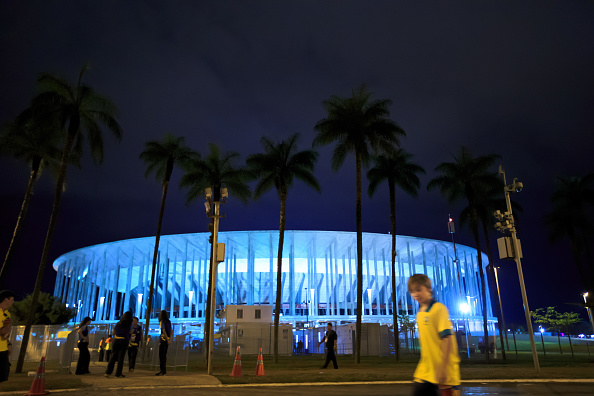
288, 384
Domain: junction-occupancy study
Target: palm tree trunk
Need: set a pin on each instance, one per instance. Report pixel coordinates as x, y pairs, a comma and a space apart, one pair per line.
72, 130
149, 304
482, 278
493, 288
279, 268
394, 299
25, 205
359, 260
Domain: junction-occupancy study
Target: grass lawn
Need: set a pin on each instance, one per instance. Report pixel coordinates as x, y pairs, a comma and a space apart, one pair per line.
17, 382
307, 368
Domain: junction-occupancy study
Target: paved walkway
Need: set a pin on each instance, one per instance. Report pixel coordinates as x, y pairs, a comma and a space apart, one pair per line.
143, 378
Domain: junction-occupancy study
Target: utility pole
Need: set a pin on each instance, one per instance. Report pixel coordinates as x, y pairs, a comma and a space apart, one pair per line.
212, 206
505, 223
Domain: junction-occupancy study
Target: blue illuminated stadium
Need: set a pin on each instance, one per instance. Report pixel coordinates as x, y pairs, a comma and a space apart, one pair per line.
318, 280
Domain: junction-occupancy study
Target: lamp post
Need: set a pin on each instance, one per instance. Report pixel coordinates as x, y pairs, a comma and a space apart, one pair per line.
542, 340
212, 206
585, 295
452, 230
506, 224
502, 324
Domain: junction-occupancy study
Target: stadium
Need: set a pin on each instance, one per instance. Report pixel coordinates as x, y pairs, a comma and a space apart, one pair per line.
318, 276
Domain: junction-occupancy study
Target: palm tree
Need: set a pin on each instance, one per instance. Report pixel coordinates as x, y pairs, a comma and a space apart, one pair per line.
573, 200
83, 110
358, 124
36, 143
216, 170
396, 169
466, 179
160, 158
278, 167
490, 200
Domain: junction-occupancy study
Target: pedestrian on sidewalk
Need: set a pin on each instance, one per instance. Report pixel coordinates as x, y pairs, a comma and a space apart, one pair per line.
438, 371
135, 340
84, 357
121, 335
102, 349
6, 301
331, 340
164, 341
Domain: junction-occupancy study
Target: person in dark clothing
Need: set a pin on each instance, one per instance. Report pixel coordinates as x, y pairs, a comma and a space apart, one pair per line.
164, 341
84, 357
121, 335
331, 341
135, 340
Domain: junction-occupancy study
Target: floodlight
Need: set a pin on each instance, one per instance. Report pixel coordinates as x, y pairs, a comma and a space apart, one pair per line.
464, 307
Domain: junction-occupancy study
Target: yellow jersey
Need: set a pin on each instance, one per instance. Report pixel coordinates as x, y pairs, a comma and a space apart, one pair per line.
434, 324
4, 315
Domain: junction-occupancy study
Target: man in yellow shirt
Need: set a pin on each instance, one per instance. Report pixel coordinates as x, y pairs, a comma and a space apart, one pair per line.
439, 366
6, 301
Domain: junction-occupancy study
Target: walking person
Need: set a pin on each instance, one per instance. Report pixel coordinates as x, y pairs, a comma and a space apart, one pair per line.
135, 340
84, 357
438, 371
121, 335
331, 340
108, 348
102, 349
164, 341
6, 301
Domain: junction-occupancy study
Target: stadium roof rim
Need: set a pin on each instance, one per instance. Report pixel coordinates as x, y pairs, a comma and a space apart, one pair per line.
263, 244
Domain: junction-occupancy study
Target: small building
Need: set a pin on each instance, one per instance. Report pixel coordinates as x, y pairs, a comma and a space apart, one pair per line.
248, 314
250, 327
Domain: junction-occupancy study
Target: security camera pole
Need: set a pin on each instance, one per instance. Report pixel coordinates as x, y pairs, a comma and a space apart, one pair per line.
212, 204
506, 223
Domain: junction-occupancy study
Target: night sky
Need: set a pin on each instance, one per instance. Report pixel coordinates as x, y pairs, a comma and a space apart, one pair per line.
508, 78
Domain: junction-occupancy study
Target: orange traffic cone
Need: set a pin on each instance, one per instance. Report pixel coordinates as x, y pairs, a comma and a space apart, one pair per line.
260, 364
38, 385
236, 372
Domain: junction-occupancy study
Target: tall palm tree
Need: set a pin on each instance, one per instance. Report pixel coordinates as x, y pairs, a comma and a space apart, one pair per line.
83, 111
278, 167
359, 125
490, 200
396, 169
467, 179
160, 158
216, 170
36, 143
571, 218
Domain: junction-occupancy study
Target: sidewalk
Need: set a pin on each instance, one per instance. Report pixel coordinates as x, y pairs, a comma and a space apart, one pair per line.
142, 378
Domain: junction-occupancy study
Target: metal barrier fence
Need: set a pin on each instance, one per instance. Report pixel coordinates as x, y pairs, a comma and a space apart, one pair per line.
58, 343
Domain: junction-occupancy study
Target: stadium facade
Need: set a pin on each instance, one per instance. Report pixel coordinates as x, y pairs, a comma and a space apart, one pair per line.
318, 276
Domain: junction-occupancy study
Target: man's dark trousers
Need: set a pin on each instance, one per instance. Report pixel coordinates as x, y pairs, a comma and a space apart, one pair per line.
330, 356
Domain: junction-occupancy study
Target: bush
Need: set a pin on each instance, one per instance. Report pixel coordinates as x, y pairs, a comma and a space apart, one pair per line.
50, 310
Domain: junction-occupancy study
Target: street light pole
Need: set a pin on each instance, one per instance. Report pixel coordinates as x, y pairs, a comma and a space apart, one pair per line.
585, 295
508, 225
452, 230
212, 210
501, 307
